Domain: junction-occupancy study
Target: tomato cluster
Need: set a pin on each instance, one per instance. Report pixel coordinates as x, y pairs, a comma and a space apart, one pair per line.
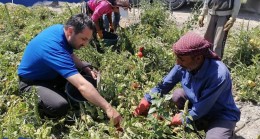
140, 52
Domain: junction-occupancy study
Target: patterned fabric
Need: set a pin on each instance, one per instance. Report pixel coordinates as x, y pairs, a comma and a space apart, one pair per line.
193, 44
99, 8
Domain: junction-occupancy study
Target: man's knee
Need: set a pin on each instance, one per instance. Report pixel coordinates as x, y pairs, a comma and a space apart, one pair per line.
61, 109
220, 133
54, 110
52, 102
221, 129
179, 98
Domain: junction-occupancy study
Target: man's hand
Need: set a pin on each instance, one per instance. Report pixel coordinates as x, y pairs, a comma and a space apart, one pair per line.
229, 24
114, 116
100, 34
201, 19
91, 72
142, 108
176, 119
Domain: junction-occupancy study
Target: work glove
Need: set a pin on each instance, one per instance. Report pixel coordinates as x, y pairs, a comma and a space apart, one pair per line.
100, 34
229, 24
111, 28
143, 108
176, 119
201, 19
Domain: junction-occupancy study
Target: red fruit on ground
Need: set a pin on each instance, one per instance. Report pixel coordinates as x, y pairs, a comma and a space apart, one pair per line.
141, 49
140, 54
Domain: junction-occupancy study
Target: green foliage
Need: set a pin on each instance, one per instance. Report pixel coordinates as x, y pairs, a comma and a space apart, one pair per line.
154, 15
239, 47
246, 80
242, 57
153, 18
8, 75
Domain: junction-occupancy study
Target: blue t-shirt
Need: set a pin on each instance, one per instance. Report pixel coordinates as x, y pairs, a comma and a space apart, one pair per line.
47, 56
209, 90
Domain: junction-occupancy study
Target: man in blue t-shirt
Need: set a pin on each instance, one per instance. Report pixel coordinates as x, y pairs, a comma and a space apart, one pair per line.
49, 59
205, 82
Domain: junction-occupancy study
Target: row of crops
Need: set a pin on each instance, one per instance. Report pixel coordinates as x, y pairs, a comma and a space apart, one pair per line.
126, 77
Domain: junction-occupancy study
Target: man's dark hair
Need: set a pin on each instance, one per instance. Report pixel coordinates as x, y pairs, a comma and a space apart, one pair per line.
79, 22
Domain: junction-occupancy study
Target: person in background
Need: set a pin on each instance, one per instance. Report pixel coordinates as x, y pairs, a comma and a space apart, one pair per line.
48, 63
205, 82
54, 3
221, 16
115, 21
97, 8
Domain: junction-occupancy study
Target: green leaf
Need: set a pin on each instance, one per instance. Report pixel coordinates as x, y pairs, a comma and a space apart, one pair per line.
152, 110
168, 97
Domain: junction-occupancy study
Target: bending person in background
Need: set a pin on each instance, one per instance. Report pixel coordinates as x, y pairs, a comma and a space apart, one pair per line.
97, 8
221, 17
115, 21
205, 82
55, 3
48, 62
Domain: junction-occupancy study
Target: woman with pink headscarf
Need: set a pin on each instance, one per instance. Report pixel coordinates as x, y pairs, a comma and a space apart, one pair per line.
205, 82
97, 8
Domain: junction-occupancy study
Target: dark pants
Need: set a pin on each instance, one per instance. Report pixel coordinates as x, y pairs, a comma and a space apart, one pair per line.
215, 129
215, 33
52, 98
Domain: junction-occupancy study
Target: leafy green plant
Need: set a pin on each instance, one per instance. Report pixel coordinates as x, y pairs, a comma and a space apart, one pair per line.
247, 88
239, 48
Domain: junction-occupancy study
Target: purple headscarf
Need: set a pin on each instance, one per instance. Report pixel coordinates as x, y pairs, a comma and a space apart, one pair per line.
193, 44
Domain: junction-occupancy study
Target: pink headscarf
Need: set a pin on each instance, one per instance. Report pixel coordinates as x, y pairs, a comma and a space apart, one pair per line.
193, 44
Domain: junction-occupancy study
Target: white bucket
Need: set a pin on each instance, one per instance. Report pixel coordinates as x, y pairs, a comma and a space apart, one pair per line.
123, 12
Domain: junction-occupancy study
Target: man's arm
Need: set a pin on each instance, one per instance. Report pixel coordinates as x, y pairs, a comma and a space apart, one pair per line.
232, 19
79, 64
82, 65
204, 10
89, 92
168, 82
208, 98
236, 8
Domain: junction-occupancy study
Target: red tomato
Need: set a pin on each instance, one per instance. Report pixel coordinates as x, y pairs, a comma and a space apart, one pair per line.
140, 54
141, 49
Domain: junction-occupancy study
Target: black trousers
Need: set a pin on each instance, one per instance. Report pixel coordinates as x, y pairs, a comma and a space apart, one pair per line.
53, 101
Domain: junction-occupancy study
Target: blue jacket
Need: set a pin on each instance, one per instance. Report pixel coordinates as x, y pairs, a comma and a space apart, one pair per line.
209, 90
